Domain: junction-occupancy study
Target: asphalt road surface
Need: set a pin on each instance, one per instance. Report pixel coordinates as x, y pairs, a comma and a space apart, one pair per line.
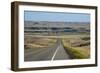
56, 52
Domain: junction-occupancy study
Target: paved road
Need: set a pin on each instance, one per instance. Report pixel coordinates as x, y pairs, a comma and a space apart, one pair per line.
56, 52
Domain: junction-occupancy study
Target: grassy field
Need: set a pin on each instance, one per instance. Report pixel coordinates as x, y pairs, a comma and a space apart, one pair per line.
38, 42
78, 47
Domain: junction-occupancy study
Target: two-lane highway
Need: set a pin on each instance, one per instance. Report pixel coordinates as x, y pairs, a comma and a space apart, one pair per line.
56, 52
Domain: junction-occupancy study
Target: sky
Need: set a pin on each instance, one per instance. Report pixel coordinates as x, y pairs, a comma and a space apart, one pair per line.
56, 16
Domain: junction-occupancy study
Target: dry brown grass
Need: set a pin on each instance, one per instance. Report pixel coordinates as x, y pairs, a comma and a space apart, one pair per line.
34, 42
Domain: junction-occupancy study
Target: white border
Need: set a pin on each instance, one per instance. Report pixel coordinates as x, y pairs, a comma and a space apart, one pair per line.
23, 64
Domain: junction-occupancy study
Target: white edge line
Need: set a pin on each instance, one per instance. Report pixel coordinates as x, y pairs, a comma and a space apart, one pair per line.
54, 54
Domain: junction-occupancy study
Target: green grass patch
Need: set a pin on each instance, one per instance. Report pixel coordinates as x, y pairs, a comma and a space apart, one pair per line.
76, 52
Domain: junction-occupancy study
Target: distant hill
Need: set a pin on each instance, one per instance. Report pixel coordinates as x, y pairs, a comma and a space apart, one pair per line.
67, 26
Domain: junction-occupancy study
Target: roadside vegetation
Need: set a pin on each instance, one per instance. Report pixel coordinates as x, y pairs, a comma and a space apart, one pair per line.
38, 42
77, 47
